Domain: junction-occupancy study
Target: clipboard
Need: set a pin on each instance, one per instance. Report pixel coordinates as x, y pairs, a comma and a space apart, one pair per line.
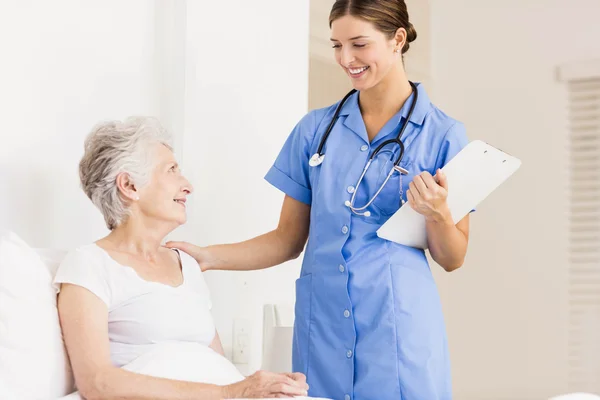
475, 172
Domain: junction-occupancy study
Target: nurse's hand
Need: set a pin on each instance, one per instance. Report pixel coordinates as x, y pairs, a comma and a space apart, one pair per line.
264, 384
200, 254
427, 195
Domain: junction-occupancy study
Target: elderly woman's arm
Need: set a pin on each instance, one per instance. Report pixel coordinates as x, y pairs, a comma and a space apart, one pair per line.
84, 321
282, 244
216, 344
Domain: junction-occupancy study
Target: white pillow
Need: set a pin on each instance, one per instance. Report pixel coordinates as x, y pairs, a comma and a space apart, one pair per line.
33, 361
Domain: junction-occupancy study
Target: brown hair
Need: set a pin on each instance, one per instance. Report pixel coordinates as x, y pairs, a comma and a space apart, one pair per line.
386, 15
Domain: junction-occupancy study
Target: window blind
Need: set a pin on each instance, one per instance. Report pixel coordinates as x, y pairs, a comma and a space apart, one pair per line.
584, 234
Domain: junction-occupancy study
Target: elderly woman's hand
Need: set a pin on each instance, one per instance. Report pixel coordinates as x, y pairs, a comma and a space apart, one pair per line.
264, 384
427, 195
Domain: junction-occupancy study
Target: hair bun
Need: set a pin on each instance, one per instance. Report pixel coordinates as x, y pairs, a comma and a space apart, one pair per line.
411, 36
411, 33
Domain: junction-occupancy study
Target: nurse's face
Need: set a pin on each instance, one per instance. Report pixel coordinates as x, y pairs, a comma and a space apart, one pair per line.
365, 53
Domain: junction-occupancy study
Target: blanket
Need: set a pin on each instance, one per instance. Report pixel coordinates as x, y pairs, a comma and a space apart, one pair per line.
185, 362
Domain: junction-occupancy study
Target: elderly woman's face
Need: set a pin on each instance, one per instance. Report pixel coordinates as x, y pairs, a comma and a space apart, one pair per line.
164, 197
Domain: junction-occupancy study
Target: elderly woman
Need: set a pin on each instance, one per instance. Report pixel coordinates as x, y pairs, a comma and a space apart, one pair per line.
126, 294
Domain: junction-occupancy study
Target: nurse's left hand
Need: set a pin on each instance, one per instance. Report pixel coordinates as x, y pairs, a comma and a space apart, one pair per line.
427, 195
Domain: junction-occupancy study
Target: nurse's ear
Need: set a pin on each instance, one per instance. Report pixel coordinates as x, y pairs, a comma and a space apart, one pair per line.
405, 36
399, 40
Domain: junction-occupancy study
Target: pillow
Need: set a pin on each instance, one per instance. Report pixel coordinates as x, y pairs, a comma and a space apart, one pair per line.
33, 361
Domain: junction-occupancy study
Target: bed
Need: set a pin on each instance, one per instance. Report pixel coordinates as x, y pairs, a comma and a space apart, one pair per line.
31, 346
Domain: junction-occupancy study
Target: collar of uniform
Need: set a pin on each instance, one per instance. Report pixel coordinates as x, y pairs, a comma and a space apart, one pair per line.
421, 108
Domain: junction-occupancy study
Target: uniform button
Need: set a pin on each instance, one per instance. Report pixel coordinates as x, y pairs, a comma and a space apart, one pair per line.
346, 313
349, 354
347, 397
364, 147
344, 229
342, 269
350, 189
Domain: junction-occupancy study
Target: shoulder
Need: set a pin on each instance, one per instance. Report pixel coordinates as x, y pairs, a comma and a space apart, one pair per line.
314, 120
83, 254
445, 134
444, 126
88, 267
84, 260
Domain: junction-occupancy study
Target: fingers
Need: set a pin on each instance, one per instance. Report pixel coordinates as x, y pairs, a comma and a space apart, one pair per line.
279, 385
299, 383
291, 384
192, 250
441, 178
420, 185
428, 179
411, 199
414, 191
178, 245
291, 390
297, 376
427, 188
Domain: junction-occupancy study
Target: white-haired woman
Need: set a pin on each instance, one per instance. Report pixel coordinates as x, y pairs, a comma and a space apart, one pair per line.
126, 294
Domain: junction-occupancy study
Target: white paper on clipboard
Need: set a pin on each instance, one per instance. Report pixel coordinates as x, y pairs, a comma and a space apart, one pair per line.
475, 172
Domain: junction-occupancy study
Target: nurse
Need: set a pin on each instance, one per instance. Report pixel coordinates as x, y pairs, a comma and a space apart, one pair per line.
368, 319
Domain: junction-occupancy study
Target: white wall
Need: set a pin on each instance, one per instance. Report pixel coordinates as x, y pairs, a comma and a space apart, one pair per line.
65, 65
328, 83
246, 87
230, 79
494, 68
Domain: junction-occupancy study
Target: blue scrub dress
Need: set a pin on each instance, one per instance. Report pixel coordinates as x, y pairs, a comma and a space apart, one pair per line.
369, 322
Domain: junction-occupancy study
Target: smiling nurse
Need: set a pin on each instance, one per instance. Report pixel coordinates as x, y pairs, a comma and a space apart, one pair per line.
368, 319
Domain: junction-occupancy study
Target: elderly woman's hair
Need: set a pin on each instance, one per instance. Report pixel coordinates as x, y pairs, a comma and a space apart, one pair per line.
115, 147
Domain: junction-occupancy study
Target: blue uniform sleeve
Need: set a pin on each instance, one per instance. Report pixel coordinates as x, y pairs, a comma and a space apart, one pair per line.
290, 172
454, 141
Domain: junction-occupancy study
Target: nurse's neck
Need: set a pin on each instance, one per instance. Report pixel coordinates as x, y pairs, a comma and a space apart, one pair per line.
387, 97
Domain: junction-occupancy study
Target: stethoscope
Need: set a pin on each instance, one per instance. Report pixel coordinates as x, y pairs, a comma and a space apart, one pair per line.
319, 156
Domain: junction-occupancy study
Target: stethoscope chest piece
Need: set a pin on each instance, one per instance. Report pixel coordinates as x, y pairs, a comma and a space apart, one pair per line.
316, 160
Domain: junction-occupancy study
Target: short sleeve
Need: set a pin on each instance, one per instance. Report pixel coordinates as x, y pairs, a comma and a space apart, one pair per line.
454, 141
290, 172
83, 269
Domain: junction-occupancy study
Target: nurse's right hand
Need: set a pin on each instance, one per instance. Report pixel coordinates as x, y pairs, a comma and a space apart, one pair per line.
200, 254
264, 384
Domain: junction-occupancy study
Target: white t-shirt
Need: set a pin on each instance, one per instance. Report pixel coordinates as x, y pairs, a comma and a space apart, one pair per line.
142, 314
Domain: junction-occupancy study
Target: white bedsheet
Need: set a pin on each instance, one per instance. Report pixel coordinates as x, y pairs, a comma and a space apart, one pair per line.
184, 361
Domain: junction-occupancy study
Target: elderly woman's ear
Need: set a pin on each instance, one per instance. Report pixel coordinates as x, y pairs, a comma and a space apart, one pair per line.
127, 187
